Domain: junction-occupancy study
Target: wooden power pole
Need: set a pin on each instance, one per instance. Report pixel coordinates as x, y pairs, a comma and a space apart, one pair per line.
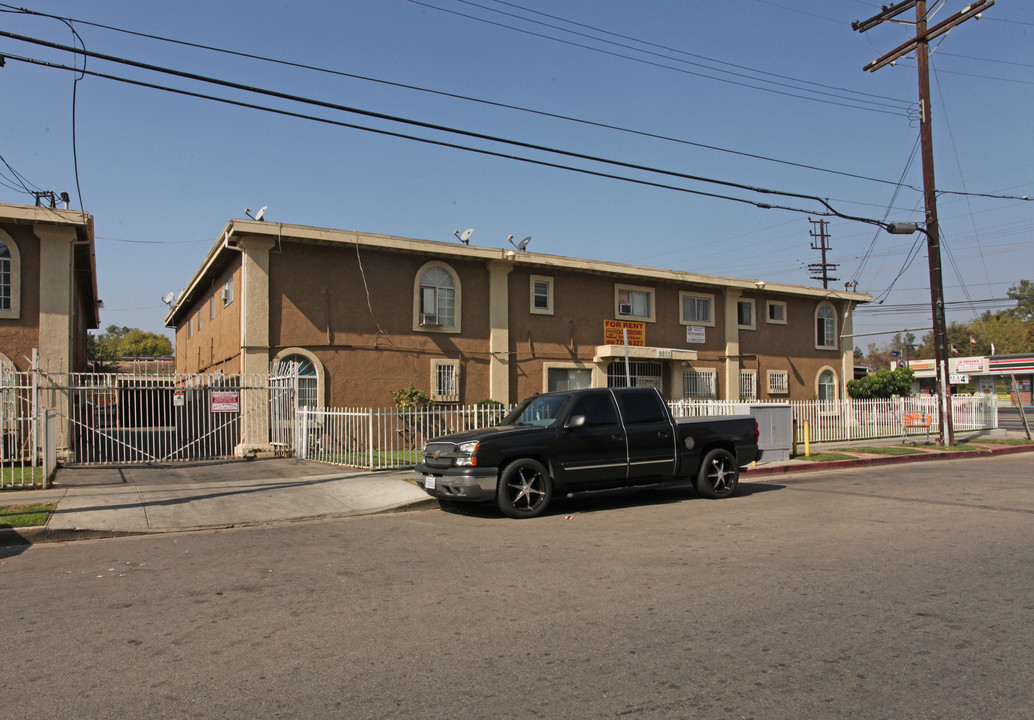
920, 46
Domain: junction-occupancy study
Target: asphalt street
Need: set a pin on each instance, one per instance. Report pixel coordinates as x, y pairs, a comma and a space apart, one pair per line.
887, 592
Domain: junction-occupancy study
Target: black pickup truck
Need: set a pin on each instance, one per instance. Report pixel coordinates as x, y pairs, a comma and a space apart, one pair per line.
582, 441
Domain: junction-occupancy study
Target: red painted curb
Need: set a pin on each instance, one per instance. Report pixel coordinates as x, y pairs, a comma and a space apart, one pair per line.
892, 460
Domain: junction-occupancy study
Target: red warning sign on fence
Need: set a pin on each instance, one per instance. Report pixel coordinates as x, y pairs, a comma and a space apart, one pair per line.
226, 401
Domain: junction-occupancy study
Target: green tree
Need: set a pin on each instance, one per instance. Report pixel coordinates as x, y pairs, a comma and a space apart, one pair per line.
882, 384
410, 397
1023, 294
115, 343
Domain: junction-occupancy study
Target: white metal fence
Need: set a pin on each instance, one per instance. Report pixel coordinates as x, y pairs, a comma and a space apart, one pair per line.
103, 418
386, 438
382, 438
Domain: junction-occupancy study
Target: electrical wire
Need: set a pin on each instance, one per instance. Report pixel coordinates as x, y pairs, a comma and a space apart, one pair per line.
829, 210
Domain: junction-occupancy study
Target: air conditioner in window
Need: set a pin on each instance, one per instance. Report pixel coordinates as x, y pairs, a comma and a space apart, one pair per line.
428, 319
624, 308
224, 294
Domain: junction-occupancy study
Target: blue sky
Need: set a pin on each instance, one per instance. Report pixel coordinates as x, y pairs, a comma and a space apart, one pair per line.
740, 91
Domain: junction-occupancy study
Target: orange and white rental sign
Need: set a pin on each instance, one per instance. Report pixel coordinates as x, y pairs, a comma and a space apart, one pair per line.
613, 333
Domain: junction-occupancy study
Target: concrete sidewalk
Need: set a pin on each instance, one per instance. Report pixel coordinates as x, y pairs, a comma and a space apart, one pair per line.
95, 502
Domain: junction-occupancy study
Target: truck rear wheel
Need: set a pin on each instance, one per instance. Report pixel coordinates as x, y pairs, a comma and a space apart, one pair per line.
524, 489
719, 475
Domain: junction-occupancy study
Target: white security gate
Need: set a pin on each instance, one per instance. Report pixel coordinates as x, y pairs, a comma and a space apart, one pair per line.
132, 418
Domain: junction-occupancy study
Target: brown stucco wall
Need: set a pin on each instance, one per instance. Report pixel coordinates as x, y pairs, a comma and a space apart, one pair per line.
18, 336
318, 301
217, 345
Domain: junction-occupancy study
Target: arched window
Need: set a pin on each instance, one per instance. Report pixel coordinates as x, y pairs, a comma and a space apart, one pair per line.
436, 304
10, 277
825, 328
827, 385
309, 375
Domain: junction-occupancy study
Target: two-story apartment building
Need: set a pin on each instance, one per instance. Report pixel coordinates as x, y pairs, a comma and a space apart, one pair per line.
48, 287
367, 314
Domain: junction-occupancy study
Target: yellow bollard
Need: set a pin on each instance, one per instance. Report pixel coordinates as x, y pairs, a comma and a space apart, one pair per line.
807, 441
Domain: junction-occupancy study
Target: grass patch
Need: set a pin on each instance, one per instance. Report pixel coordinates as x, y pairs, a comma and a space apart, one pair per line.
887, 450
1000, 441
825, 457
20, 476
16, 516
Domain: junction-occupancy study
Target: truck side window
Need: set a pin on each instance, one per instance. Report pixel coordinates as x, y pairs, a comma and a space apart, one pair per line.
597, 408
641, 407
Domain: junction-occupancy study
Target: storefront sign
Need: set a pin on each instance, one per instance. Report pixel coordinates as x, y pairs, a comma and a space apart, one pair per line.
613, 333
969, 365
695, 334
958, 379
226, 401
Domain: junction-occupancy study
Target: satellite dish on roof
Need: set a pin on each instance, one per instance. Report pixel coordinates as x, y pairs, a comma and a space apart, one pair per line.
522, 245
464, 236
258, 215
169, 297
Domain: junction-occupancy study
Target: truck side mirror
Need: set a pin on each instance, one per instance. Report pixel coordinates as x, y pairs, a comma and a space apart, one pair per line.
575, 421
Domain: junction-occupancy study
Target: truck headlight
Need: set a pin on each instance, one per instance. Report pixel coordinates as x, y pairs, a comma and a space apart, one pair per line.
466, 454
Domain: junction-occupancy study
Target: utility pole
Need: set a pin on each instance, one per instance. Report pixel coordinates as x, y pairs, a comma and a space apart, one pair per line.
921, 46
824, 267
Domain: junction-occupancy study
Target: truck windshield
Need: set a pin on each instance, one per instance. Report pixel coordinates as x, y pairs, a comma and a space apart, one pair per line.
541, 411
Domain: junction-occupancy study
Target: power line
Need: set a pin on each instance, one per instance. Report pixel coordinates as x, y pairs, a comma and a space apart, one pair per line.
829, 211
612, 53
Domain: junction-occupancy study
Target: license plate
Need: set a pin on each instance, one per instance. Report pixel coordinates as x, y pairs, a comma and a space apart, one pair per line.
429, 482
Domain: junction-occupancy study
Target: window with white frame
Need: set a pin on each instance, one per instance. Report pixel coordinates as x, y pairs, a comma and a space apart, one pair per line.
776, 312
748, 384
10, 277
778, 382
700, 384
541, 295
437, 298
306, 378
634, 302
827, 385
445, 380
825, 327
745, 314
563, 378
211, 308
227, 293
5, 277
696, 309
190, 326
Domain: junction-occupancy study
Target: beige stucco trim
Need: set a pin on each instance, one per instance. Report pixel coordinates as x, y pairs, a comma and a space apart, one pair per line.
732, 346
55, 301
254, 314
606, 353
499, 331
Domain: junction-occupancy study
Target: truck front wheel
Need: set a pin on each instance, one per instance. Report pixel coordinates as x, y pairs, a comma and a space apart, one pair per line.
524, 489
718, 475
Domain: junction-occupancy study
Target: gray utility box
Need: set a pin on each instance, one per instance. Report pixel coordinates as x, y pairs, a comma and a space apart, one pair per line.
775, 423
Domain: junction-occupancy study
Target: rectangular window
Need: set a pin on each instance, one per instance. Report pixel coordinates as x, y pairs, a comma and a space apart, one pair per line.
696, 309
745, 314
227, 293
211, 308
5, 282
568, 379
778, 382
190, 327
541, 295
634, 302
700, 384
748, 385
777, 312
445, 380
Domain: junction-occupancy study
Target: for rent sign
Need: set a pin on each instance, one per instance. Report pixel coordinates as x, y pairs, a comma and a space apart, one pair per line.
613, 333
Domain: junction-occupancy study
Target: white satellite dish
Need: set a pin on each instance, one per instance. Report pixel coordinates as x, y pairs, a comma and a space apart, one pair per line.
169, 297
464, 236
522, 245
258, 215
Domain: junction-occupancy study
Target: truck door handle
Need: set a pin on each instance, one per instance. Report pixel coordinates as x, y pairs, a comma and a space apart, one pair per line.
662, 434
617, 437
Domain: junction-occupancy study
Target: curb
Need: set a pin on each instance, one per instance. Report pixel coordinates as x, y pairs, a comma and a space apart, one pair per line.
806, 466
